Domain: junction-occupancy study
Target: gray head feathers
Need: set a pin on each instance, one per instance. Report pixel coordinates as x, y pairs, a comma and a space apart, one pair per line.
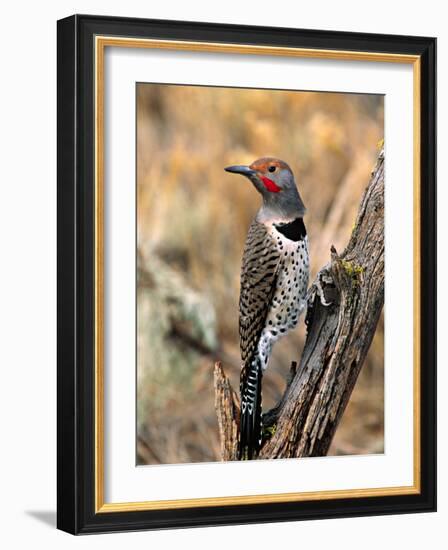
274, 180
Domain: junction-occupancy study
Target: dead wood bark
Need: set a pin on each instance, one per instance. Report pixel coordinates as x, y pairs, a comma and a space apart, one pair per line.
344, 305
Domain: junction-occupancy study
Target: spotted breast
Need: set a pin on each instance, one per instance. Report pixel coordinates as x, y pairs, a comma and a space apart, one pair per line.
288, 300
274, 281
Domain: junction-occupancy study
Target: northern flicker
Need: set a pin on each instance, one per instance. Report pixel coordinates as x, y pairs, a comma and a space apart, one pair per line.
274, 281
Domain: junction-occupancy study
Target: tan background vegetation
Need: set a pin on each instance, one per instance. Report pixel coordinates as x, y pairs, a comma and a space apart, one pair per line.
192, 222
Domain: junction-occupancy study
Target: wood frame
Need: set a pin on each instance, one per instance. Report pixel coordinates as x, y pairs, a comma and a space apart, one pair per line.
81, 43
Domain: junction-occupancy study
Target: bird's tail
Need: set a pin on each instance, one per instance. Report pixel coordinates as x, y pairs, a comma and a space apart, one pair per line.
250, 422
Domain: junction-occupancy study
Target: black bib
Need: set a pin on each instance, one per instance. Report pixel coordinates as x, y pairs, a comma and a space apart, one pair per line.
294, 231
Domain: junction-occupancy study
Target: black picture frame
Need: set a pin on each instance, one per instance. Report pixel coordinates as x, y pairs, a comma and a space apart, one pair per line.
76, 253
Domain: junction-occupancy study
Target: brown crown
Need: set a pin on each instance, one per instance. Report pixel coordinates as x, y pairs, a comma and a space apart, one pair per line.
262, 165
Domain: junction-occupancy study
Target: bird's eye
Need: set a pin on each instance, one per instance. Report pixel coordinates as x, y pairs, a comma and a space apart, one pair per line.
271, 168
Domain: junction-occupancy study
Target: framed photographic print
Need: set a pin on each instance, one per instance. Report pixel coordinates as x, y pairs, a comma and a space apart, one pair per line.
246, 274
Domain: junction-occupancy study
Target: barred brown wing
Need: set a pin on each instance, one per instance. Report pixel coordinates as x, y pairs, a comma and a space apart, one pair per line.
260, 265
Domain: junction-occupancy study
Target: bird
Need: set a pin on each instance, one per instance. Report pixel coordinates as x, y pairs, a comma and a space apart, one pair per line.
273, 285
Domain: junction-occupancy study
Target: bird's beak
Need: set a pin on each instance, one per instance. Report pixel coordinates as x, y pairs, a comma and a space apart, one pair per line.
243, 170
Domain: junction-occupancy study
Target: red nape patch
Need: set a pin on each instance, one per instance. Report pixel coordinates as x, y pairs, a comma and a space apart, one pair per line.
270, 185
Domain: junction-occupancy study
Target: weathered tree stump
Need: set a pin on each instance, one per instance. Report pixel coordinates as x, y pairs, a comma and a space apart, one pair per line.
344, 305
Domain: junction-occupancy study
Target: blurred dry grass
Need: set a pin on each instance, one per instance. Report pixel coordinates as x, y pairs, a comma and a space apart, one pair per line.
192, 223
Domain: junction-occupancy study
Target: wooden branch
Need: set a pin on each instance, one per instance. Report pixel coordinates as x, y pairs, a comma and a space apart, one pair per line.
344, 305
227, 406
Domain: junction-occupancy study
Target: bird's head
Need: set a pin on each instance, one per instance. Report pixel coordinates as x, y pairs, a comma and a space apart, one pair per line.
274, 180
